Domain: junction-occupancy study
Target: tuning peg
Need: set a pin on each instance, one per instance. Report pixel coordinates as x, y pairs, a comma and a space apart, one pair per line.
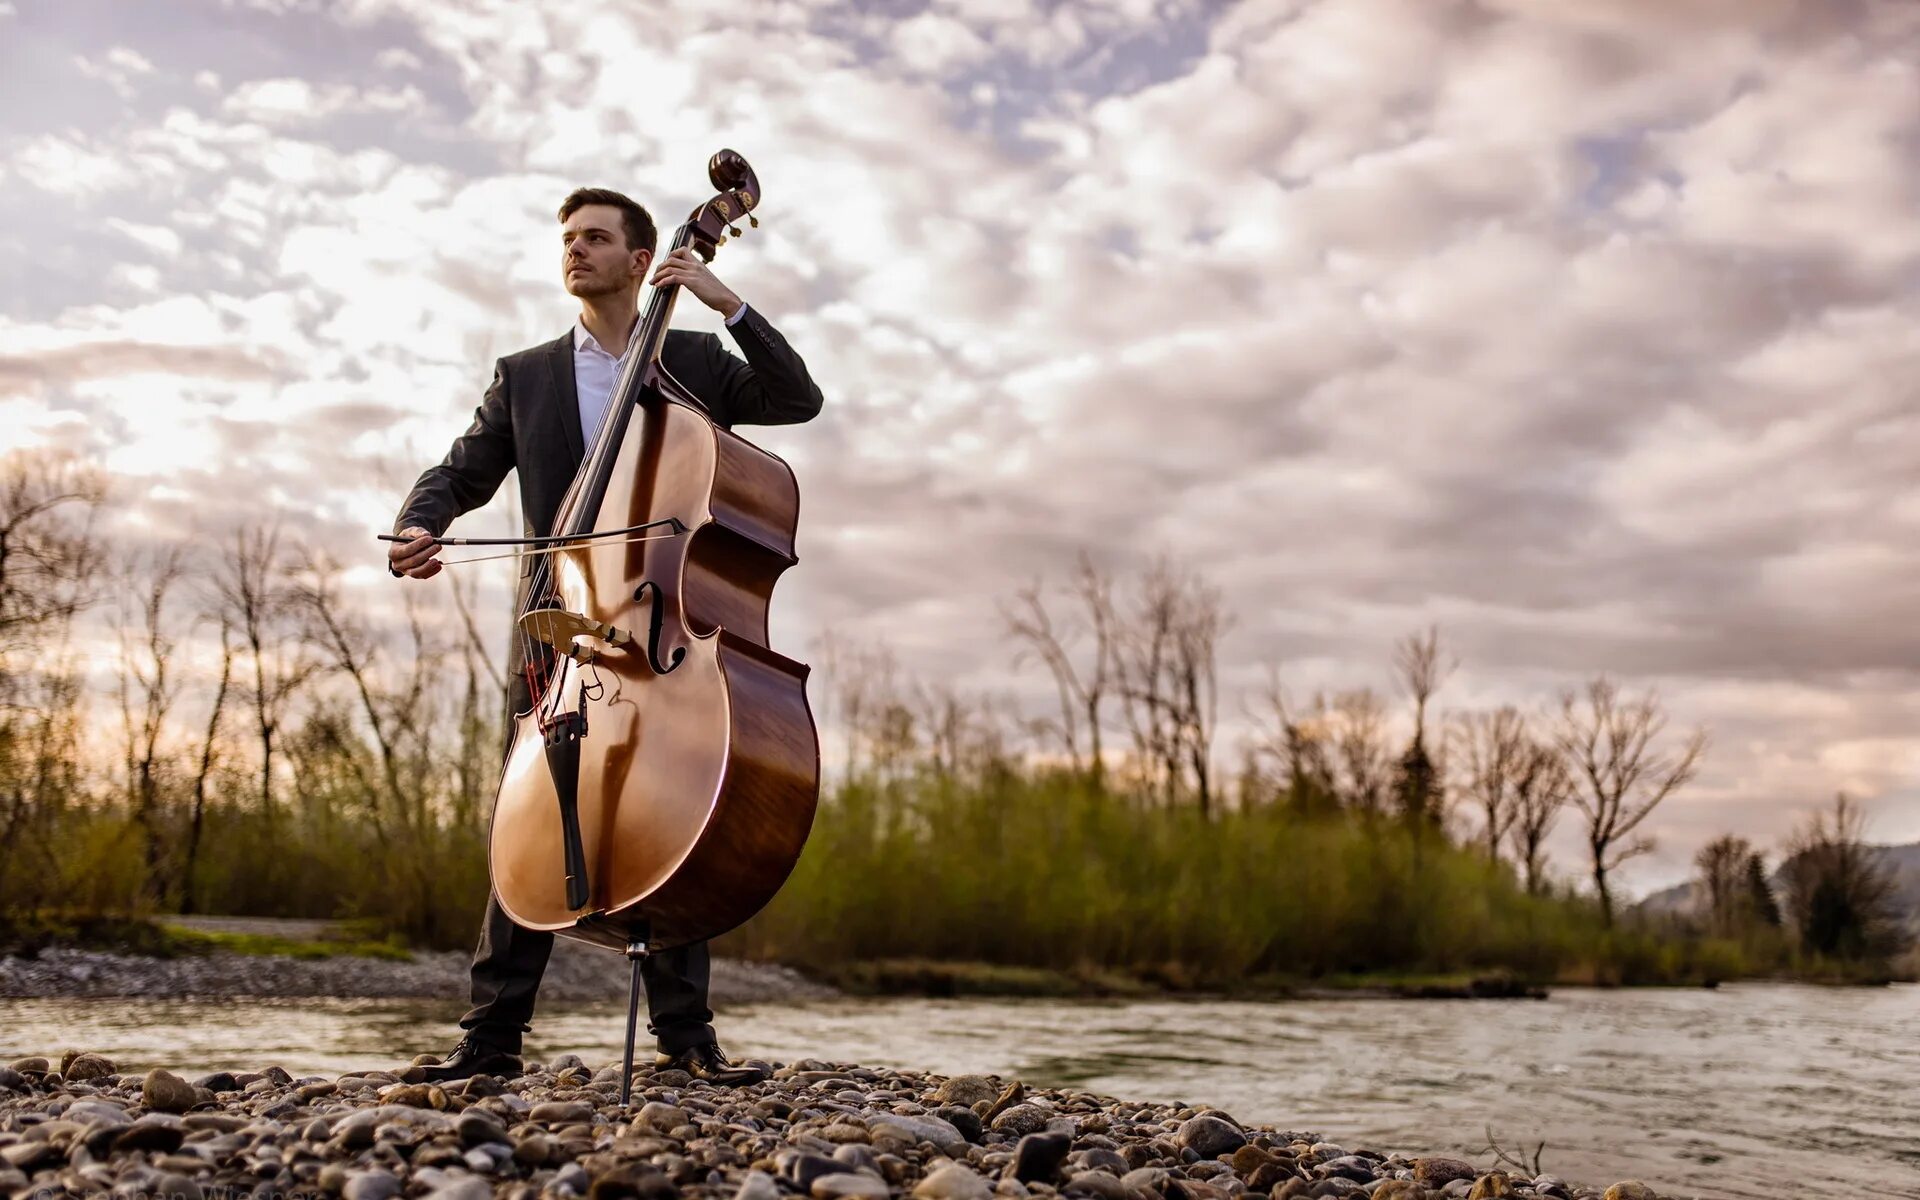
753, 220
734, 230
721, 242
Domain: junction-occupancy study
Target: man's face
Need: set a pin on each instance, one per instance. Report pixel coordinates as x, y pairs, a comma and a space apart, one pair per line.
594, 258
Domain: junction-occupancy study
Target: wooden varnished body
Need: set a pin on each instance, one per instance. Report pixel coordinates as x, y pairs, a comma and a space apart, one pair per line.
698, 786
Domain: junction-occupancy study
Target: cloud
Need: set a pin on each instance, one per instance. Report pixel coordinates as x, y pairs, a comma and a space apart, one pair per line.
1583, 330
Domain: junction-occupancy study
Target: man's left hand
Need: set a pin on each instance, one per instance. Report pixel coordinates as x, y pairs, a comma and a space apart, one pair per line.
684, 267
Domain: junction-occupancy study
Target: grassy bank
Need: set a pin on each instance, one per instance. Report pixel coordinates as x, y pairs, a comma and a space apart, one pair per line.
1042, 884
27, 933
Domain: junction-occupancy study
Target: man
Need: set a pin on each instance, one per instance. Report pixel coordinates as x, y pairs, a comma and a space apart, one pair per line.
542, 407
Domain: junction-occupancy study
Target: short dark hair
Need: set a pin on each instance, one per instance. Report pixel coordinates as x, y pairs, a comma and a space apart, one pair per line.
634, 220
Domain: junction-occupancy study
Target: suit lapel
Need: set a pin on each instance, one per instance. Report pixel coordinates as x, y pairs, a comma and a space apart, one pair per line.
560, 372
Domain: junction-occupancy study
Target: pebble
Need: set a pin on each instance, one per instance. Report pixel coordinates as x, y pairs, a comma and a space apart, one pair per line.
952, 1182
821, 1130
848, 1186
163, 1091
1038, 1157
1210, 1136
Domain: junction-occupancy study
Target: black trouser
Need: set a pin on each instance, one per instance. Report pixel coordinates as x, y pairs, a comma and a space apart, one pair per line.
508, 963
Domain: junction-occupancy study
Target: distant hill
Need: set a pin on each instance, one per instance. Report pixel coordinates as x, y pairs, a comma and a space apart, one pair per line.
1903, 861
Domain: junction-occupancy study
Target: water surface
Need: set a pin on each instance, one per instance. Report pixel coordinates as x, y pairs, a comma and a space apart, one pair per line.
1746, 1091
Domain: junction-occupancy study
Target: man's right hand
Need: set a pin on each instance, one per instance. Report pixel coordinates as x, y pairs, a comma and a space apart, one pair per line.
418, 557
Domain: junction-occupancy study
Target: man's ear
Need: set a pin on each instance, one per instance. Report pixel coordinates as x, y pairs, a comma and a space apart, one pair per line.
642, 259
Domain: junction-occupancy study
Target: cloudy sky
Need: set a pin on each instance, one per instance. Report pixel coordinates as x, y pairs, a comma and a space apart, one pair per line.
1585, 330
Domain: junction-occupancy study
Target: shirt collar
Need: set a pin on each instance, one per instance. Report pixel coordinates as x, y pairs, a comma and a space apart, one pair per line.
582, 339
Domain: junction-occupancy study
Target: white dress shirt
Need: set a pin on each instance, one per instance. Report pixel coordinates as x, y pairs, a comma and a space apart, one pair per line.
595, 370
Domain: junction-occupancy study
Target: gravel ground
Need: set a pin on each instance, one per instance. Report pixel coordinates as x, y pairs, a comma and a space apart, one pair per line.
827, 1131
578, 972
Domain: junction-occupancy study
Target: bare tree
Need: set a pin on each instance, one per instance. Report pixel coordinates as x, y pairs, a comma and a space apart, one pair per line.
1839, 894
203, 773
1196, 650
1624, 774
49, 565
1720, 892
1422, 670
48, 553
1357, 724
1298, 743
394, 710
1165, 669
148, 689
1029, 620
1541, 788
1493, 747
256, 598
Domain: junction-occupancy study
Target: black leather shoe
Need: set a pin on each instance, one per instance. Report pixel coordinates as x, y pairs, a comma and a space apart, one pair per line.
469, 1058
707, 1062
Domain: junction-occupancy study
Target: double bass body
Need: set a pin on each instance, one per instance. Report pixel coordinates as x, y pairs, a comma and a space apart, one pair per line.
699, 772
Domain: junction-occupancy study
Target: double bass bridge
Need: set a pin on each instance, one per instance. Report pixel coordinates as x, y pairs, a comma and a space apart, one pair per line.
561, 629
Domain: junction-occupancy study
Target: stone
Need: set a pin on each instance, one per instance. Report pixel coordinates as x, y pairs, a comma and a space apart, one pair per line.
1438, 1172
418, 1095
1099, 1158
163, 1091
533, 1150
1401, 1189
919, 1129
476, 1128
1250, 1158
1038, 1156
31, 1156
160, 1132
1020, 1120
31, 1066
84, 1068
95, 1112
561, 1112
660, 1118
472, 1187
848, 1186
1494, 1185
12, 1080
634, 1181
1551, 1185
965, 1090
803, 1168
841, 1132
1349, 1166
1630, 1189
1096, 1183
965, 1120
953, 1181
758, 1185
858, 1157
1015, 1092
371, 1185
1210, 1136
177, 1187
219, 1081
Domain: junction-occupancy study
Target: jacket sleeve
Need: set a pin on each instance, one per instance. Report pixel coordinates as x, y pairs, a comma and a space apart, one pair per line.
472, 470
771, 387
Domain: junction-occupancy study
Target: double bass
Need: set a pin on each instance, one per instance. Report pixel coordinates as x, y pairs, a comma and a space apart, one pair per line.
661, 787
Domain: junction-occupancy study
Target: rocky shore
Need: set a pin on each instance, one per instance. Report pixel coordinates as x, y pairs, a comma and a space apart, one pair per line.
78, 1126
576, 973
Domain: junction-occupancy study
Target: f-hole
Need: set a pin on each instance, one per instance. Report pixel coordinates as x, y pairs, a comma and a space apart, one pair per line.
654, 619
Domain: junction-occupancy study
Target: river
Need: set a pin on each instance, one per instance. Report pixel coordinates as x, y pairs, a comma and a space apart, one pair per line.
1744, 1091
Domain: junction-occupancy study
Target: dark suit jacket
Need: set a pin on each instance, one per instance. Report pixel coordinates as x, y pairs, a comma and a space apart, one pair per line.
530, 419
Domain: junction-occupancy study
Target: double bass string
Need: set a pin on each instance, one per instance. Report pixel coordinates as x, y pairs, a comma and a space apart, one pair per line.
540, 591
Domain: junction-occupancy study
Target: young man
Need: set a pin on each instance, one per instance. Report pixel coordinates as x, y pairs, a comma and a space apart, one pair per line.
543, 404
